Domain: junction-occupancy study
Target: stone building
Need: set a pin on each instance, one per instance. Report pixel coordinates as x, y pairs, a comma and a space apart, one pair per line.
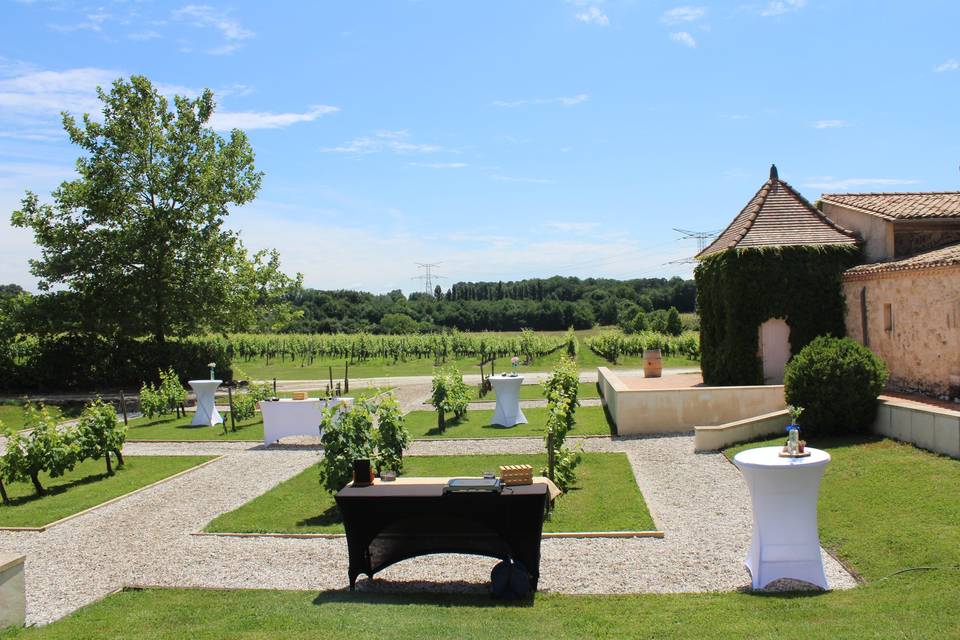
904, 303
769, 284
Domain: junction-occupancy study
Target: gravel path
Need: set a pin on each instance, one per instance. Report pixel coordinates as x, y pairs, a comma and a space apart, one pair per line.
699, 500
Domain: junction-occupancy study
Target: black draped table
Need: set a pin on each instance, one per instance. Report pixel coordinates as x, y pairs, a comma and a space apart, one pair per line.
391, 521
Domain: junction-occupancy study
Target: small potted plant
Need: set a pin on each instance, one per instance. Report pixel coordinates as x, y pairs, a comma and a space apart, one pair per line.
213, 367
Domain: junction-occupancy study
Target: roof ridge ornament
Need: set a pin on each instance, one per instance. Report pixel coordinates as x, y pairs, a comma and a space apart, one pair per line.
773, 173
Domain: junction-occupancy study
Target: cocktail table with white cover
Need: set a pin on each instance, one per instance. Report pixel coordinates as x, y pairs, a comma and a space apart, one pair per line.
207, 413
785, 542
282, 418
507, 413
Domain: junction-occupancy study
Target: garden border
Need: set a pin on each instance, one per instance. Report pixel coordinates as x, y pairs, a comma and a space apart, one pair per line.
334, 536
120, 497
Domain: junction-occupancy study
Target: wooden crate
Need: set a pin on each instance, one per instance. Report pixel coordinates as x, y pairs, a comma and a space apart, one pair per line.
515, 474
299, 395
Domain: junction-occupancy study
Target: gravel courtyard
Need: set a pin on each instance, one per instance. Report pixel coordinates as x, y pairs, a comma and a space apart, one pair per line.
699, 500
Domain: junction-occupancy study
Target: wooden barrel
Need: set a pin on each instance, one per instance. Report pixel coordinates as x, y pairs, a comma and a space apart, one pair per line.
652, 364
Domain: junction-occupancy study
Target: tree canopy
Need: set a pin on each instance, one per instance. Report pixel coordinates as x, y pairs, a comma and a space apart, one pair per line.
137, 241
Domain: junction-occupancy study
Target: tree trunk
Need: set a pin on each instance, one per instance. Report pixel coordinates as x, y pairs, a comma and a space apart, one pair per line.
119, 455
441, 420
3, 493
109, 466
35, 478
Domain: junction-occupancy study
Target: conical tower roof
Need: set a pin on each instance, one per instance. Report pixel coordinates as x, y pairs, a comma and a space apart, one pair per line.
778, 216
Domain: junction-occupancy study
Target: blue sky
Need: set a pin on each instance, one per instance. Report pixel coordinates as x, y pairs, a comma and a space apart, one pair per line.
502, 139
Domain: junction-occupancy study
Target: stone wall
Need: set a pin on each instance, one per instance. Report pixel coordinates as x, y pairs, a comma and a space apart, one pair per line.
918, 335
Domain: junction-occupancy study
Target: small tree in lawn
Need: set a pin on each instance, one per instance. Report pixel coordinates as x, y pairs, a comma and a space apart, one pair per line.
561, 389
100, 434
347, 436
171, 391
45, 449
440, 398
391, 436
674, 322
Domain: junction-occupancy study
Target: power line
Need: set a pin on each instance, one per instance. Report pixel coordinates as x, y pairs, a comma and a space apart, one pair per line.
700, 236
427, 276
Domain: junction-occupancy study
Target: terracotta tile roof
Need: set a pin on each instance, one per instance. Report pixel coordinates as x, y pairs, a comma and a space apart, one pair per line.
901, 206
778, 216
942, 257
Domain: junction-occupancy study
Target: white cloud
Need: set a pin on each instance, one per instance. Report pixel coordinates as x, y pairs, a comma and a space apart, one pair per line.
439, 165
227, 120
683, 38
201, 15
566, 101
143, 36
503, 178
683, 14
593, 15
384, 140
572, 227
780, 7
950, 65
90, 22
71, 90
830, 183
830, 124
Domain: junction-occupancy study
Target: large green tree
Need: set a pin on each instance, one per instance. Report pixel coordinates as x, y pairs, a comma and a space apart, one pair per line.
138, 238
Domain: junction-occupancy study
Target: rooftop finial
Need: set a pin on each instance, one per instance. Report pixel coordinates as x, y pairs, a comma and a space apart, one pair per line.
773, 172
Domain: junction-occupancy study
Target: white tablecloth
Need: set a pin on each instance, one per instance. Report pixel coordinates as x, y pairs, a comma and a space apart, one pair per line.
785, 542
207, 413
508, 411
284, 418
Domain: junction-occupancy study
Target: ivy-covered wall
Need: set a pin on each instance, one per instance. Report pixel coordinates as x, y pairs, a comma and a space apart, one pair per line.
739, 289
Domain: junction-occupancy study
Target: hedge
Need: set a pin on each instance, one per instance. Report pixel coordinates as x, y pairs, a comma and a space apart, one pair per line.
738, 290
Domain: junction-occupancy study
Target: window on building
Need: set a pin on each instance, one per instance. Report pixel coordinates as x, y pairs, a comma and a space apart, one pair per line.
888, 317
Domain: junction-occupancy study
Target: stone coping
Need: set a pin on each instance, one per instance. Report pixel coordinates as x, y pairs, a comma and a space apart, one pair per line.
8, 560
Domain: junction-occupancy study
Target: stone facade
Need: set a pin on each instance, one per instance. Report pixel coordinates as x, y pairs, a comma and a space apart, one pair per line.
912, 322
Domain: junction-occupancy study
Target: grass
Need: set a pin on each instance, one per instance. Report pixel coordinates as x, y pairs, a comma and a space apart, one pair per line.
13, 416
358, 394
605, 498
879, 518
382, 368
886, 505
535, 392
171, 428
86, 486
476, 424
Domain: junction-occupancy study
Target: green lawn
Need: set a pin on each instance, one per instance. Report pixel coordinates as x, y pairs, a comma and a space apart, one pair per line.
170, 428
13, 416
886, 505
535, 392
86, 486
606, 497
382, 368
358, 394
881, 519
476, 424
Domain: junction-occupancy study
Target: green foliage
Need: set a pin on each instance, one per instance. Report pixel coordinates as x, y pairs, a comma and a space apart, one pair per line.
391, 436
674, 323
561, 391
573, 345
99, 434
836, 381
45, 448
611, 345
244, 406
151, 401
636, 323
738, 290
398, 323
139, 238
347, 436
171, 391
541, 304
449, 394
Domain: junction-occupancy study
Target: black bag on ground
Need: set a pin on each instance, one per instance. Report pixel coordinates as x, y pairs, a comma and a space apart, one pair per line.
510, 581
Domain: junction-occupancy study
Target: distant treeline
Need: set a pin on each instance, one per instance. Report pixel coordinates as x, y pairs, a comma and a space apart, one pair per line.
541, 304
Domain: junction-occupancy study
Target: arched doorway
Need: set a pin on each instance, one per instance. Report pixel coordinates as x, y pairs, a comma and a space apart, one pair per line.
774, 349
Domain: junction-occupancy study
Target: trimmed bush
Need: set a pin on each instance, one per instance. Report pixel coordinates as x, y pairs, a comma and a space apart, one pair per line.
836, 381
